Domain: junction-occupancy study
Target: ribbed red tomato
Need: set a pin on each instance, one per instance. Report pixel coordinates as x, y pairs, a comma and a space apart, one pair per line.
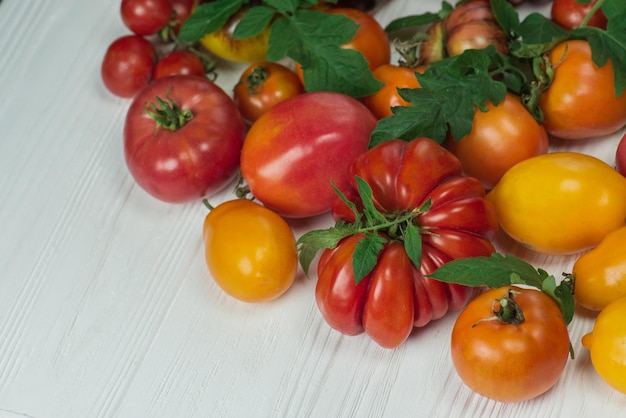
395, 296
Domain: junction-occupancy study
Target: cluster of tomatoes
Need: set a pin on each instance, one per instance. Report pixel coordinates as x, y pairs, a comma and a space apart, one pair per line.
402, 209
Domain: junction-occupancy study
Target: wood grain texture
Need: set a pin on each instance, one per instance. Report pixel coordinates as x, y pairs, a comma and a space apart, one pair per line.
107, 307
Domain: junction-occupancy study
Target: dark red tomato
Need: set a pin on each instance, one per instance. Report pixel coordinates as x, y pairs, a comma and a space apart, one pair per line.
393, 77
194, 152
396, 296
262, 86
127, 65
182, 10
294, 150
179, 63
620, 156
146, 17
569, 14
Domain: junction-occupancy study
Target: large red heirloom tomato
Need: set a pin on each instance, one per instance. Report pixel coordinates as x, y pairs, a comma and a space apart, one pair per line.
182, 138
295, 150
455, 221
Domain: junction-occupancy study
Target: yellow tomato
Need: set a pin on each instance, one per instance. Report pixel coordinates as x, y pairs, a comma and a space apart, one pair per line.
607, 344
560, 203
601, 273
247, 50
250, 250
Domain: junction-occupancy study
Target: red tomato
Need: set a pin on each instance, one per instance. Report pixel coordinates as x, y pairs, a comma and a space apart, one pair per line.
580, 102
509, 360
127, 65
199, 155
394, 77
179, 63
146, 17
570, 13
262, 86
294, 150
370, 38
396, 296
500, 138
620, 156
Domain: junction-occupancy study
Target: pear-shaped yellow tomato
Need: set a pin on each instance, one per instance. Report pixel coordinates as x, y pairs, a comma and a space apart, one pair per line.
560, 203
250, 250
240, 50
601, 273
607, 344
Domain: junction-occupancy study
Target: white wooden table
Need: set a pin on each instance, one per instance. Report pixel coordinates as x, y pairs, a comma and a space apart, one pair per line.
107, 308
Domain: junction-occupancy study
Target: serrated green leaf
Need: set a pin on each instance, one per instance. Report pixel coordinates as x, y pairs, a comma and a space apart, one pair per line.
311, 242
413, 244
494, 271
366, 254
313, 39
506, 16
357, 215
207, 18
466, 78
284, 6
413, 21
372, 214
253, 22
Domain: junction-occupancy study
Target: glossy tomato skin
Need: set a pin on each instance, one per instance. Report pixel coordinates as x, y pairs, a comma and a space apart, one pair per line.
262, 86
394, 77
620, 156
243, 51
569, 14
580, 102
127, 65
194, 161
179, 63
606, 344
560, 202
146, 17
397, 296
510, 362
250, 251
601, 272
294, 150
500, 138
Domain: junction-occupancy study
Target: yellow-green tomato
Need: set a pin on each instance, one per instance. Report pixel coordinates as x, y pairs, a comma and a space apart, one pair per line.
601, 272
240, 50
607, 344
560, 203
250, 250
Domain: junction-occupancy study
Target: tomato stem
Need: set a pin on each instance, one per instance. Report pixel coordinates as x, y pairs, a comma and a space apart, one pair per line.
168, 114
255, 80
597, 6
505, 310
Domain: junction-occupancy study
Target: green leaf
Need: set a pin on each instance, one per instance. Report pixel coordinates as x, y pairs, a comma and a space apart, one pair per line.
506, 16
313, 39
253, 22
357, 215
207, 18
369, 209
413, 244
366, 254
536, 34
498, 270
466, 78
494, 271
413, 21
310, 243
283, 6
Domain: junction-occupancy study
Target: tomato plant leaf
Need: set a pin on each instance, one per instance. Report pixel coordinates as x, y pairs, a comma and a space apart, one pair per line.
414, 21
372, 214
253, 22
313, 39
506, 16
284, 6
466, 78
413, 244
357, 215
366, 254
311, 242
207, 18
498, 270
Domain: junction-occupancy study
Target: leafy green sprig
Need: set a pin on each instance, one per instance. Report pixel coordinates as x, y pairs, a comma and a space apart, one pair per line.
310, 37
453, 88
377, 229
504, 270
